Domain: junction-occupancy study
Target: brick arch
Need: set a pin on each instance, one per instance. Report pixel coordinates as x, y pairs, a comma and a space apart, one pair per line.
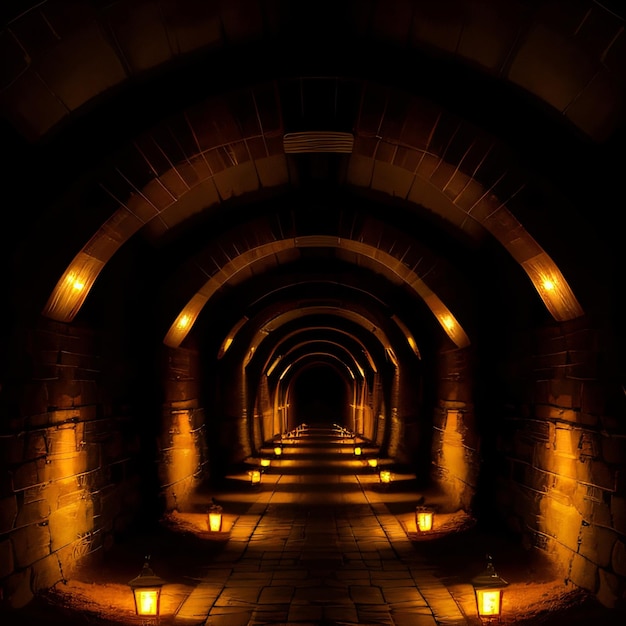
418, 154
565, 55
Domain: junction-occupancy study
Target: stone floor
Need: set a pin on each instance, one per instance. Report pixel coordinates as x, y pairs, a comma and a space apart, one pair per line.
319, 541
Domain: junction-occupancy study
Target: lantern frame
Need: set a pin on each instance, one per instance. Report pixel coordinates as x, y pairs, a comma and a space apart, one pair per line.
384, 476
147, 582
255, 477
489, 588
424, 519
215, 518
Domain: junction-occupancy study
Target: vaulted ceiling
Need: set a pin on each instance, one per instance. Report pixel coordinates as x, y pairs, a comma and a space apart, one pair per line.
412, 167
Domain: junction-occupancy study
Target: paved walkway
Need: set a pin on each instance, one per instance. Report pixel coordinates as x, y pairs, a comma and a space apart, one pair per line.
317, 545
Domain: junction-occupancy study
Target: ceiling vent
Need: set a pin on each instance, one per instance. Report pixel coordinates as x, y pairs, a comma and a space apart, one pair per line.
318, 141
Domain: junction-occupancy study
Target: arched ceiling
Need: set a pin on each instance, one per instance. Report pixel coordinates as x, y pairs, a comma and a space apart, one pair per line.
460, 152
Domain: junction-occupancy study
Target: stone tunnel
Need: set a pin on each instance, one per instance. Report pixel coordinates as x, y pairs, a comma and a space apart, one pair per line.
224, 219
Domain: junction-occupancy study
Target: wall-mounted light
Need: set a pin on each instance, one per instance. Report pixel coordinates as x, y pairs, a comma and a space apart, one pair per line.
147, 594
489, 590
424, 519
214, 518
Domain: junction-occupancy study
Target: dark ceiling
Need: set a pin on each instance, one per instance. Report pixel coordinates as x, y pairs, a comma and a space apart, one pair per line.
534, 89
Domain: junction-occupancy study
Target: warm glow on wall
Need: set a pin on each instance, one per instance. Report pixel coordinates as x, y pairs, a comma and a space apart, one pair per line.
387, 262
552, 288
184, 321
73, 287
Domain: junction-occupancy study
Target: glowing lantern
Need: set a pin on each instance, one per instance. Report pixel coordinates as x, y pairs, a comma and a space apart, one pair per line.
278, 450
489, 590
358, 451
423, 519
265, 463
373, 463
385, 476
255, 476
214, 518
147, 592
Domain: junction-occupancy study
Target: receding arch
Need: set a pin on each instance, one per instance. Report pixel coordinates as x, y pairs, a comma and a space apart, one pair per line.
387, 263
468, 187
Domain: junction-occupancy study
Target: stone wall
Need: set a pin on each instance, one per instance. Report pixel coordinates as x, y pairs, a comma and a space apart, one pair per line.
70, 482
455, 442
564, 446
182, 447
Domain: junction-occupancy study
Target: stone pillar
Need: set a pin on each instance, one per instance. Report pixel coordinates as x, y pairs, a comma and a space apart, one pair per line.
455, 442
182, 448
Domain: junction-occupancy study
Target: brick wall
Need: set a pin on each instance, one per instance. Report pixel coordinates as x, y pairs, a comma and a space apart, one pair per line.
71, 483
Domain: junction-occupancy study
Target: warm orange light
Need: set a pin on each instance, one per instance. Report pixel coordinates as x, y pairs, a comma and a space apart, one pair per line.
358, 451
372, 463
147, 591
489, 589
147, 602
278, 450
183, 322
489, 602
255, 477
265, 462
385, 476
423, 519
215, 518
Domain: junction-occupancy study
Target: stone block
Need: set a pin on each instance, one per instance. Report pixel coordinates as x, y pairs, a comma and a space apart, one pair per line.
618, 513
609, 589
584, 573
600, 475
36, 445
597, 544
7, 562
18, 589
8, 513
12, 449
71, 415
613, 449
562, 521
594, 397
70, 522
34, 399
618, 558
30, 544
565, 393
46, 573
34, 512
28, 474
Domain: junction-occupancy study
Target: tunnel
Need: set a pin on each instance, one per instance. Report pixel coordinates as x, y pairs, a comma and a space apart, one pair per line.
230, 226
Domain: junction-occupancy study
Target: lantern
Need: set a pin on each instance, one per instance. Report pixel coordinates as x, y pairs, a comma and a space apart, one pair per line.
385, 476
265, 463
278, 450
358, 451
423, 519
489, 590
255, 476
147, 593
373, 463
214, 518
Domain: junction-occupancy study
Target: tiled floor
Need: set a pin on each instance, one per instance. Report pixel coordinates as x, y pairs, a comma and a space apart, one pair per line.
318, 545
